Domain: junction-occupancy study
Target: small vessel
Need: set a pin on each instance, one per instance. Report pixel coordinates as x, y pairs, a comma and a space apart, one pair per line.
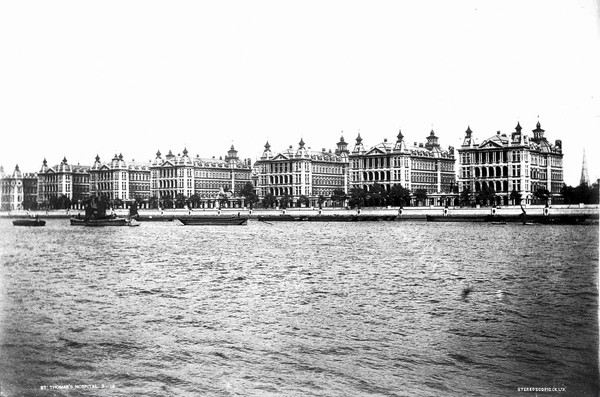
214, 220
107, 221
282, 218
457, 218
499, 223
29, 222
95, 215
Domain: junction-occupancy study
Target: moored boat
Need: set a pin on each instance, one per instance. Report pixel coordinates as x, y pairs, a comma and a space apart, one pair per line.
95, 215
457, 218
108, 221
214, 220
284, 218
29, 222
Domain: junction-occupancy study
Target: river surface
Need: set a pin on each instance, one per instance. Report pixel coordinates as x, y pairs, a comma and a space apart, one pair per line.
298, 309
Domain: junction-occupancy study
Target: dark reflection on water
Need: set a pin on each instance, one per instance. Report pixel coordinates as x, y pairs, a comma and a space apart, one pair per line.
299, 309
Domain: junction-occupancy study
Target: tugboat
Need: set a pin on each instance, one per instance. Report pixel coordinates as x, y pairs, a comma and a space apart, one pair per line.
95, 215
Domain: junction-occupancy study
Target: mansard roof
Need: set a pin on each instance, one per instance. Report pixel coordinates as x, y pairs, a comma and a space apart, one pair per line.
537, 143
381, 148
116, 163
498, 140
302, 152
422, 150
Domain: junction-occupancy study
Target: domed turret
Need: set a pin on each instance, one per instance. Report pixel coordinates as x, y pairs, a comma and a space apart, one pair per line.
399, 136
267, 152
358, 146
231, 155
342, 147
44, 166
538, 133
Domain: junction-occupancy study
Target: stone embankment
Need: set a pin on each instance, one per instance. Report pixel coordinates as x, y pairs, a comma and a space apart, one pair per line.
412, 213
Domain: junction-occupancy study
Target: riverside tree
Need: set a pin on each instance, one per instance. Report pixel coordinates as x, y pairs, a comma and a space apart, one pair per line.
466, 197
339, 196
399, 195
378, 195
269, 200
249, 193
542, 194
180, 200
515, 196
303, 200
583, 193
421, 196
358, 196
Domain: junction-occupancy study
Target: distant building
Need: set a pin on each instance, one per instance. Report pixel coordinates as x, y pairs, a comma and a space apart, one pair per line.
419, 166
213, 181
17, 188
519, 162
118, 179
64, 179
302, 172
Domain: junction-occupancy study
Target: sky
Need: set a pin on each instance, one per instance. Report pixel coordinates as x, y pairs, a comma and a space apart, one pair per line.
84, 78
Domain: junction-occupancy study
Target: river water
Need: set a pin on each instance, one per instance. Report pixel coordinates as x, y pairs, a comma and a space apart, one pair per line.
298, 309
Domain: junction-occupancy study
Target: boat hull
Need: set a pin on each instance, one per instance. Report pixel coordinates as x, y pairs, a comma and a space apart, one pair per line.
214, 221
457, 218
29, 222
282, 218
100, 222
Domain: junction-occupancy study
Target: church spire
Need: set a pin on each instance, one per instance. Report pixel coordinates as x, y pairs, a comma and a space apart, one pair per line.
585, 179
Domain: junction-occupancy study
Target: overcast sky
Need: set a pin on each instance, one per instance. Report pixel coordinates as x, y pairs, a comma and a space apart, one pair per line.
84, 78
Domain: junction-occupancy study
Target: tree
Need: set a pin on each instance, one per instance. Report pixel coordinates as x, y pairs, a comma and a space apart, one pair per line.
486, 195
30, 203
339, 196
269, 200
421, 196
466, 197
53, 203
166, 201
595, 193
304, 200
153, 202
320, 200
515, 196
542, 194
195, 200
378, 194
285, 201
180, 200
249, 193
399, 195
358, 197
103, 203
64, 202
